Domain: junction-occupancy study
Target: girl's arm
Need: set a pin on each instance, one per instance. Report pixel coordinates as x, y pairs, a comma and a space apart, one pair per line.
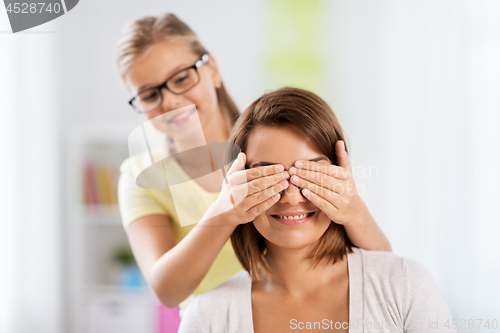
173, 270
365, 233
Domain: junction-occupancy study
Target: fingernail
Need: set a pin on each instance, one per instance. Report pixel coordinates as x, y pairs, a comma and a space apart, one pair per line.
294, 179
276, 196
286, 175
305, 191
299, 164
284, 184
292, 171
279, 168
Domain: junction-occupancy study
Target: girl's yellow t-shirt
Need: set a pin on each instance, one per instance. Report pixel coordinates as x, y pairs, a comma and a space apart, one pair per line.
136, 202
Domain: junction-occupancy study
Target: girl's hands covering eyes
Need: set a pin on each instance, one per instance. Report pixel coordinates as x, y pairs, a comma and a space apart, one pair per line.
329, 187
248, 193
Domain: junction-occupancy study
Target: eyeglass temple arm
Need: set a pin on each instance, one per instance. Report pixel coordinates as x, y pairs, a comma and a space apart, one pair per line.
203, 60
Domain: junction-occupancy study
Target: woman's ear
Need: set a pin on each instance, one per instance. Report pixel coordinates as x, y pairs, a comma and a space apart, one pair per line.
215, 71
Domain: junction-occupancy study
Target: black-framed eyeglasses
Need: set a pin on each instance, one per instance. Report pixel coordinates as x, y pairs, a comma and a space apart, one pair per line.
178, 83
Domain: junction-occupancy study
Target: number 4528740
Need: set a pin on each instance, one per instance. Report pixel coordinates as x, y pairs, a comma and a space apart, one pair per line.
32, 8
471, 324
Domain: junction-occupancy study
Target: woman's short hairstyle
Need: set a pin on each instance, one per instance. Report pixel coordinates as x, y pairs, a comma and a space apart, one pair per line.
145, 32
311, 115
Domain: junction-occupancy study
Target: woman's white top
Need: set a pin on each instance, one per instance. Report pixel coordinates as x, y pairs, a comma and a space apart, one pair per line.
387, 293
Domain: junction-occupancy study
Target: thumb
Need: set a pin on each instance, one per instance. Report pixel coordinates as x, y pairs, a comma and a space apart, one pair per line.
342, 158
238, 164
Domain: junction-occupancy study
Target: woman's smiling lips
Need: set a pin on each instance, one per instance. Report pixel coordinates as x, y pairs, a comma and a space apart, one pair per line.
294, 218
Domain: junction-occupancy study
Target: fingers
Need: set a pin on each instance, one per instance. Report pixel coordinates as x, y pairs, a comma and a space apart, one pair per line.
263, 171
332, 197
258, 198
254, 173
321, 203
263, 207
262, 183
320, 179
324, 168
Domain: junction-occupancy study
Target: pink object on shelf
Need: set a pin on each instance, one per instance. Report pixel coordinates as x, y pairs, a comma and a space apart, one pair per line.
168, 319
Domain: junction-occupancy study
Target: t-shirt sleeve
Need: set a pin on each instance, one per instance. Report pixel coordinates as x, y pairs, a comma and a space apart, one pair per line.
134, 201
189, 321
426, 308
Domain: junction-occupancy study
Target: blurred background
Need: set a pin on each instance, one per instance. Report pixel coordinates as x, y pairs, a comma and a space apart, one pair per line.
416, 85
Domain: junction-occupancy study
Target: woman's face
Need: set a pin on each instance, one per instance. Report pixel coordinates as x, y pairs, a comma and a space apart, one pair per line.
157, 64
279, 225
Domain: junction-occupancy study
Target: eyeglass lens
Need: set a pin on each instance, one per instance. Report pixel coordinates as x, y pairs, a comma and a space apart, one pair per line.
179, 83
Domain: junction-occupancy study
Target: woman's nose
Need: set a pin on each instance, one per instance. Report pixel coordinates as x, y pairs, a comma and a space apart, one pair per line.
292, 195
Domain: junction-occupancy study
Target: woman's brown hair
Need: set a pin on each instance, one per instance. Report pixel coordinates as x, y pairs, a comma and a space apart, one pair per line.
312, 116
145, 32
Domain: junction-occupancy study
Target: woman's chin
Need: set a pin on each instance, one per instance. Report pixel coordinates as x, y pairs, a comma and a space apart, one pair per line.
295, 240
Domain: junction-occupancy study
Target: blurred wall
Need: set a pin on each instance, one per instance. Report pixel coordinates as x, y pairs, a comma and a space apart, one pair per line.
416, 85
31, 233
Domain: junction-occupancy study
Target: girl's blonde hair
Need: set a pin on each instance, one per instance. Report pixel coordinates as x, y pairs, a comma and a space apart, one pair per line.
145, 32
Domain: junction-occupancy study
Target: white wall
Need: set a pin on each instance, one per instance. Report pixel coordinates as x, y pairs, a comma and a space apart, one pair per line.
31, 228
416, 85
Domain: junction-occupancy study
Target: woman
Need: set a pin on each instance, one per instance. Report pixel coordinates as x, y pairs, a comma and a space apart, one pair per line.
303, 272
154, 54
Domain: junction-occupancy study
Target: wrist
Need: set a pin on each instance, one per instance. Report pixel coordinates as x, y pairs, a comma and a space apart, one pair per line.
222, 220
363, 217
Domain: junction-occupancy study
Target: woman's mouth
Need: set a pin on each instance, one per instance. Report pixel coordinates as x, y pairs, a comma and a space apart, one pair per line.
293, 218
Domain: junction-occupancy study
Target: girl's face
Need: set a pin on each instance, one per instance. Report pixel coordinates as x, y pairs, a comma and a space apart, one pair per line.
279, 225
156, 65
